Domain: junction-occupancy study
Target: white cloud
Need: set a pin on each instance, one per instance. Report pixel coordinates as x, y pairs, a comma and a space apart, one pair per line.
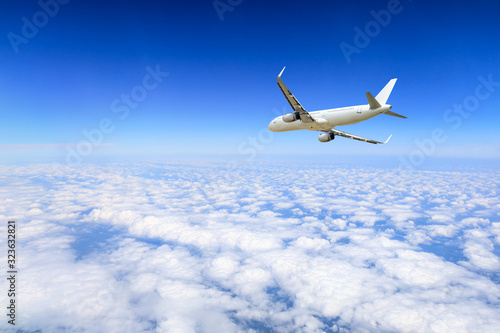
479, 251
192, 247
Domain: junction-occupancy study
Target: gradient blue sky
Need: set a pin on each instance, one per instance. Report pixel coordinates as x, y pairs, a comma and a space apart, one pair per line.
221, 89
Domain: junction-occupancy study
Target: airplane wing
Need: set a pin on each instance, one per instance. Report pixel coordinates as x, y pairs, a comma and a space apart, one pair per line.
294, 103
355, 137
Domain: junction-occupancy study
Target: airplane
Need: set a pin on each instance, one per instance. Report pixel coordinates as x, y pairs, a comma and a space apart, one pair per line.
327, 120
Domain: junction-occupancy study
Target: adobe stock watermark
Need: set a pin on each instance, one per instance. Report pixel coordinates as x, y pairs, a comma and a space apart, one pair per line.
249, 148
454, 117
30, 27
223, 6
254, 144
372, 29
122, 107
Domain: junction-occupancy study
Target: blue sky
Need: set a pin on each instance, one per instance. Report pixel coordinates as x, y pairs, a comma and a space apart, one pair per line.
261, 237
221, 88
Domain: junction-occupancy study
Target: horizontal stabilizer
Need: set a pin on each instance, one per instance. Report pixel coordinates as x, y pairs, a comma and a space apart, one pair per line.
374, 104
394, 114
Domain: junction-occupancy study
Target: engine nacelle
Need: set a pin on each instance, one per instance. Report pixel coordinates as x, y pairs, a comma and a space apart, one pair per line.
291, 117
326, 137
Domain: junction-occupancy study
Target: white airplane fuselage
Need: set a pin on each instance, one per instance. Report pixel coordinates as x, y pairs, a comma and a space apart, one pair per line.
327, 119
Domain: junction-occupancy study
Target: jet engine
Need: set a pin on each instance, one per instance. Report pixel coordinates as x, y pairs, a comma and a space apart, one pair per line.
326, 137
291, 117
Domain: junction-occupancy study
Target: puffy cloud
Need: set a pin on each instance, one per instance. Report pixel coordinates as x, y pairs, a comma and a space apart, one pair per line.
479, 251
188, 246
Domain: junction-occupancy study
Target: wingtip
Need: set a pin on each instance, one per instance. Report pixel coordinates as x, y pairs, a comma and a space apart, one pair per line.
282, 71
390, 136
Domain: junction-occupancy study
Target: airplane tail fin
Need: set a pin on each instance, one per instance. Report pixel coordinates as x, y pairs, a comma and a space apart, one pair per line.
383, 95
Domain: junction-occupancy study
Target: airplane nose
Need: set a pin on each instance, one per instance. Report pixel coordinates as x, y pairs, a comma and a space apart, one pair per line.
272, 126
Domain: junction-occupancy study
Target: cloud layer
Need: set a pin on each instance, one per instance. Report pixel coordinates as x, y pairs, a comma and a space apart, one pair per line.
186, 246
